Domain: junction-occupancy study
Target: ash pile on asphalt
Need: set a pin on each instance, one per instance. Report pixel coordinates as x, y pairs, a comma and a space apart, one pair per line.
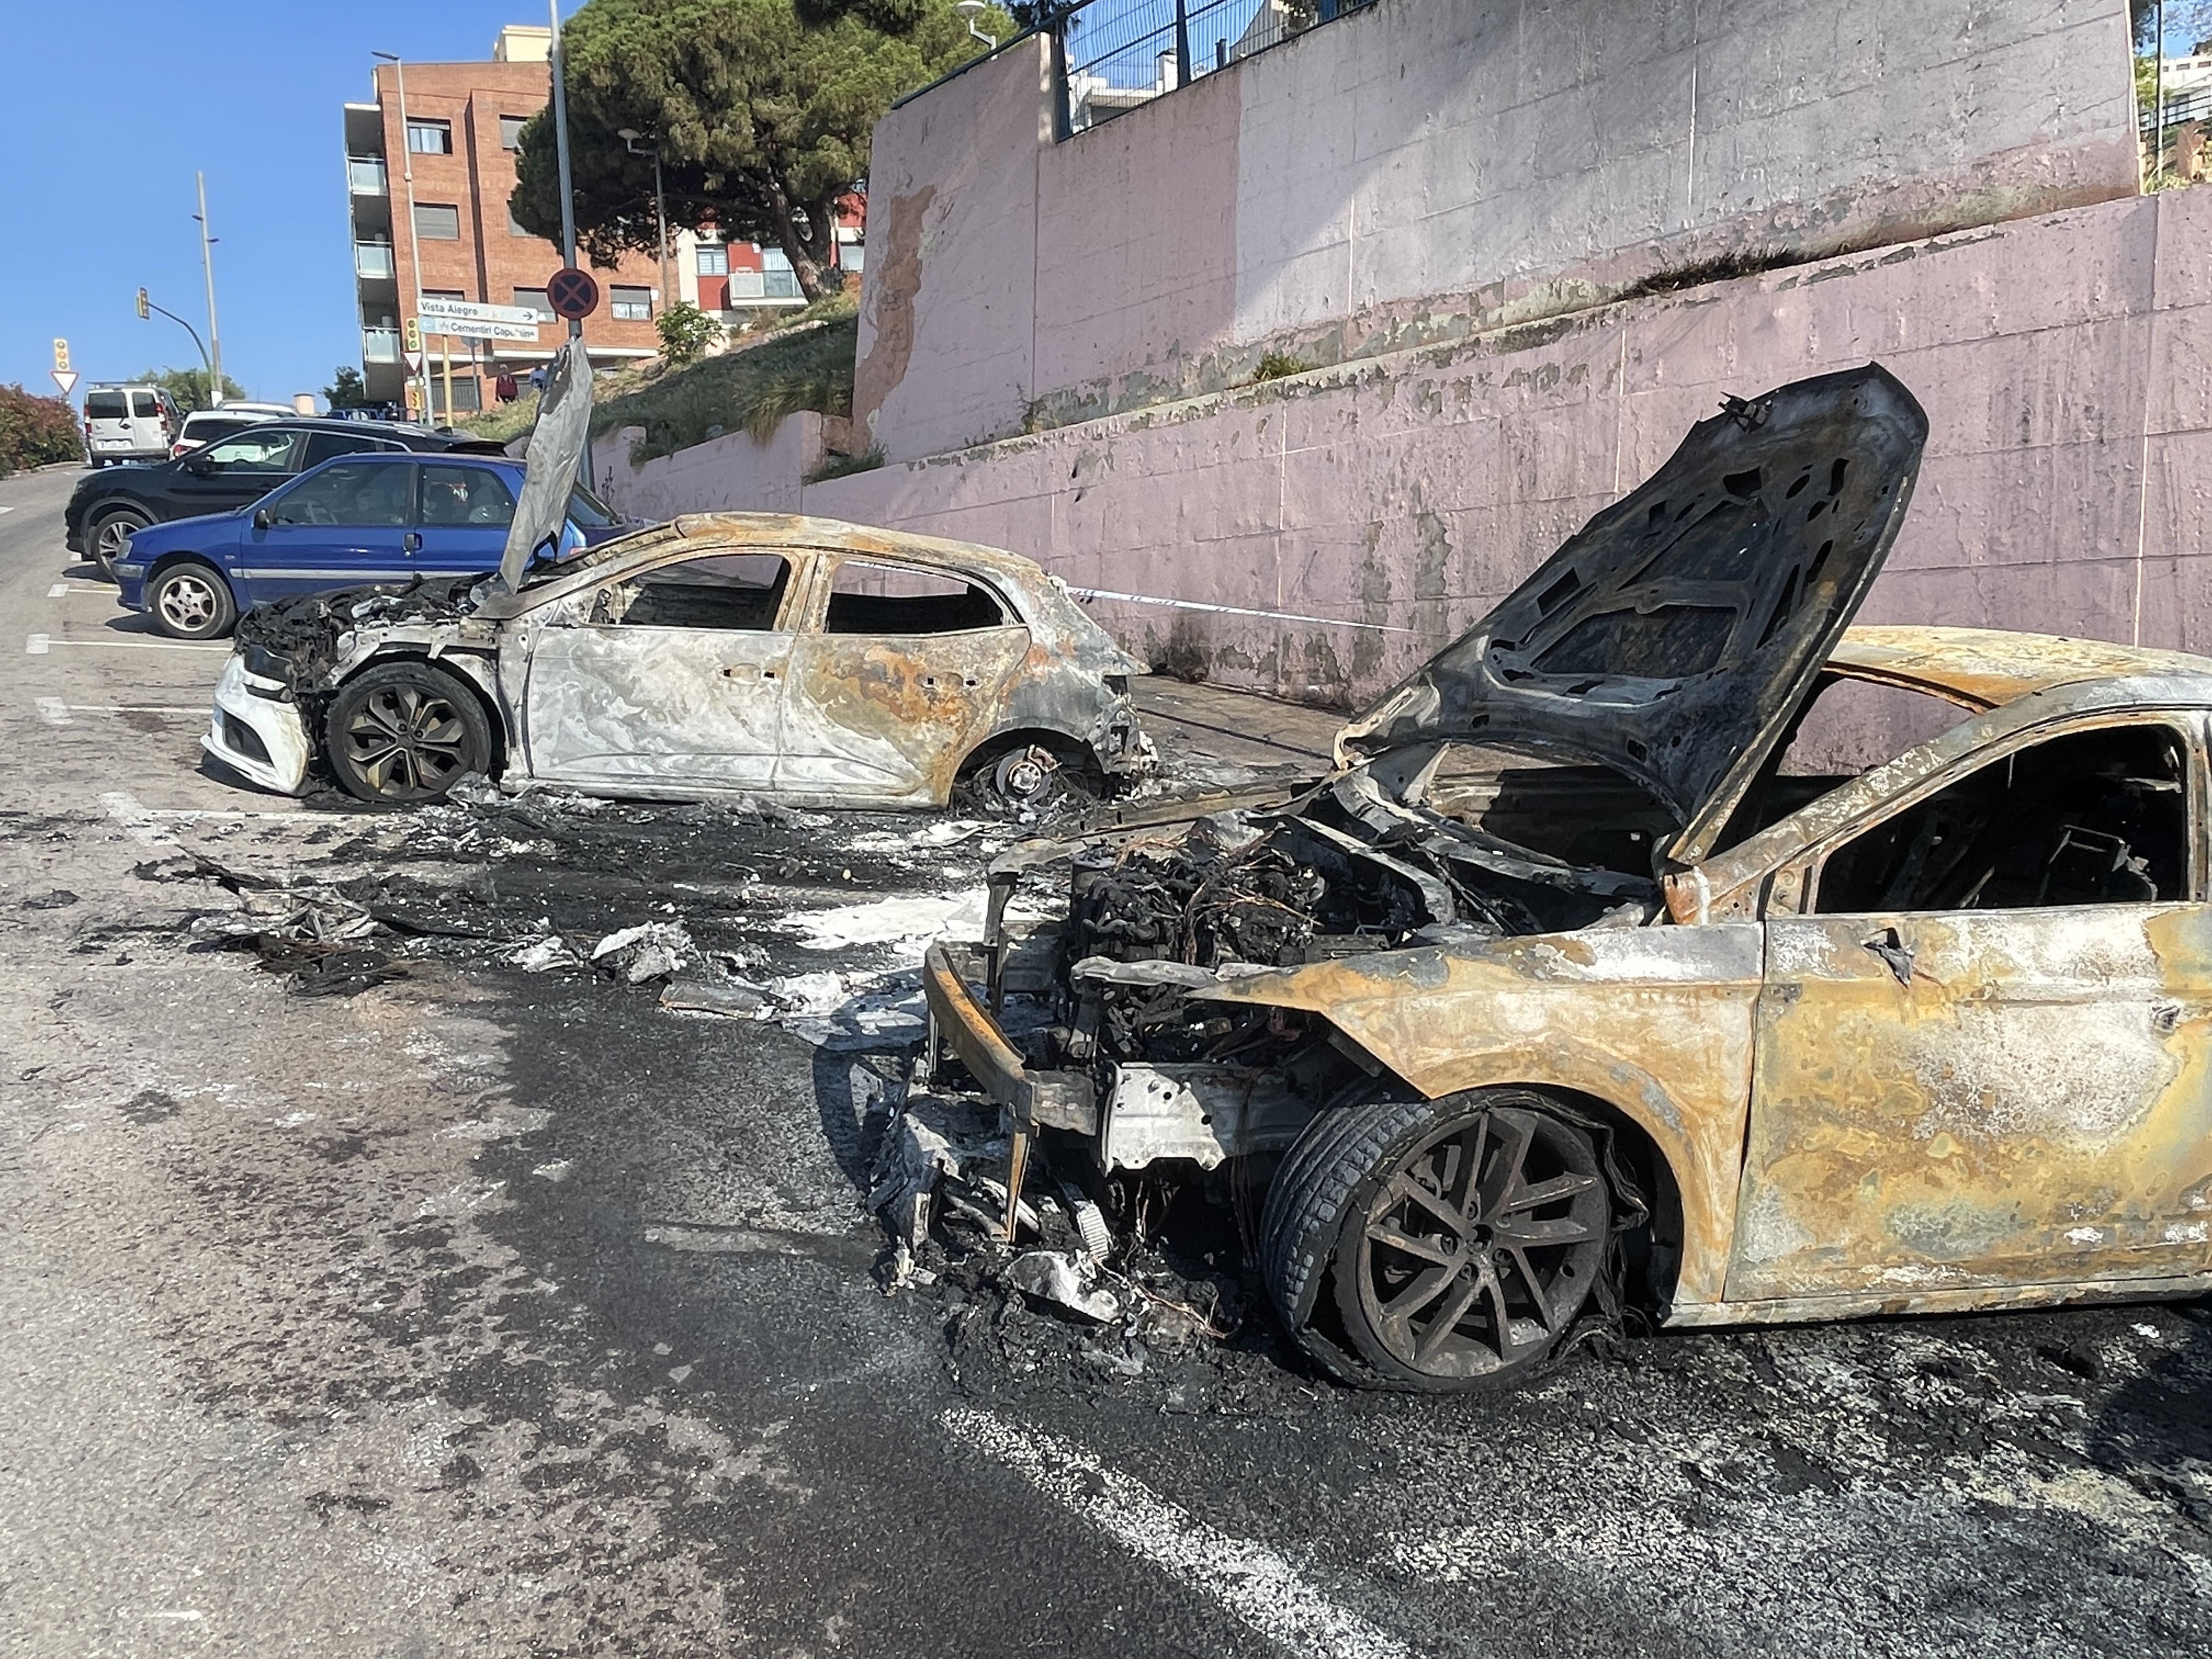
815, 923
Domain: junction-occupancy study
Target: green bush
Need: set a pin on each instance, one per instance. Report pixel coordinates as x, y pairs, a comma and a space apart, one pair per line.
1275, 365
749, 387
685, 332
35, 430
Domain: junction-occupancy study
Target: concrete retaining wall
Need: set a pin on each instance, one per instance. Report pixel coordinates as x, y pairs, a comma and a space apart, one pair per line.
1428, 169
733, 471
2066, 484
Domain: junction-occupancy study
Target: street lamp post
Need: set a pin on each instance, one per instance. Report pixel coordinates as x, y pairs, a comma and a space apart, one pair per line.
146, 307
629, 136
215, 335
559, 66
419, 373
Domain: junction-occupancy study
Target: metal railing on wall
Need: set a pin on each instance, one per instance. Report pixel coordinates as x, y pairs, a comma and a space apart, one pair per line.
1109, 57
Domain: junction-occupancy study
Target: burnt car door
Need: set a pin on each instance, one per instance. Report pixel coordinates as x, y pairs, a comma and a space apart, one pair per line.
903, 672
669, 680
1981, 1052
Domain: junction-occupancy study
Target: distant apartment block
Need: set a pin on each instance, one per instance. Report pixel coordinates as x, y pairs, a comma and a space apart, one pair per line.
462, 125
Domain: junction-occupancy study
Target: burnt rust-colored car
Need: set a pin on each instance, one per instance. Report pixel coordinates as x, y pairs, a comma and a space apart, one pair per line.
796, 658
1572, 987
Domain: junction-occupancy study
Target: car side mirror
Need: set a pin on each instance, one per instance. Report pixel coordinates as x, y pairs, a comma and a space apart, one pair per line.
263, 518
199, 464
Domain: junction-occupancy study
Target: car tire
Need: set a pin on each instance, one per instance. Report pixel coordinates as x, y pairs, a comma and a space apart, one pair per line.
110, 533
1474, 1283
189, 600
404, 732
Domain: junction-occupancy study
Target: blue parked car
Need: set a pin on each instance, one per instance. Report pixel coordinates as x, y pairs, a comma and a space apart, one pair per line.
356, 521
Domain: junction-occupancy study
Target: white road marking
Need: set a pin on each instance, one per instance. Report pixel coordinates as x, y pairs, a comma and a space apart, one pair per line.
36, 645
194, 711
7, 509
142, 822
40, 642
1256, 1583
57, 590
53, 711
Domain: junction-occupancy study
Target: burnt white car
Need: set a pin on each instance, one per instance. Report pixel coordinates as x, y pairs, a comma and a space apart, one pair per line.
794, 659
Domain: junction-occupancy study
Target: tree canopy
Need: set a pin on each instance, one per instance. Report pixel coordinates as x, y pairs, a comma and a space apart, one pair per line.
347, 390
763, 123
189, 386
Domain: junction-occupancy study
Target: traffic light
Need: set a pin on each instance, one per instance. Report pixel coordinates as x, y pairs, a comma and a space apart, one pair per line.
414, 335
145, 309
61, 358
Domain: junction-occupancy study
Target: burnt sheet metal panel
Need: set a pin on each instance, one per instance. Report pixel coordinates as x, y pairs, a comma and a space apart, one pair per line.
1656, 1022
1206, 1114
1673, 636
1983, 668
1989, 1098
875, 715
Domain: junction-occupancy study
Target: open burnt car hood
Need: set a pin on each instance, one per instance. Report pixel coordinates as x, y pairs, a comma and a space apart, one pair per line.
1674, 636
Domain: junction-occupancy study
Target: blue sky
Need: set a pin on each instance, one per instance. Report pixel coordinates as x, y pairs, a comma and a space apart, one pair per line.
106, 107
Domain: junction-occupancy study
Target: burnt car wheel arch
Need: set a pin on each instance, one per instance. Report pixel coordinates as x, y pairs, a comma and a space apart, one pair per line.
404, 730
1006, 770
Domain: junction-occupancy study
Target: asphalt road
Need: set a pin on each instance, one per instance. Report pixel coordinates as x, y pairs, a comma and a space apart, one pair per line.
478, 1312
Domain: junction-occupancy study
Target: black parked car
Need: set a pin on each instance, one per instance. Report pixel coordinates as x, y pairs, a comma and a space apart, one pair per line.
236, 472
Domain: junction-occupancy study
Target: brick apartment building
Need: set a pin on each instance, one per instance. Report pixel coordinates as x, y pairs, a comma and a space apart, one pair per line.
462, 123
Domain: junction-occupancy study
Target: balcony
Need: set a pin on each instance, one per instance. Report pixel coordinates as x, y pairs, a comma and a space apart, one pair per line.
374, 261
365, 175
380, 346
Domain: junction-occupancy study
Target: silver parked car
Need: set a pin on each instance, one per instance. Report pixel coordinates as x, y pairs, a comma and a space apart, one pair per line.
799, 658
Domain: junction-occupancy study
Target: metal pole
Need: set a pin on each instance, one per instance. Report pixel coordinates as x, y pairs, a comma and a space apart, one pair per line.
420, 375
214, 336
197, 344
660, 217
567, 192
2158, 98
1182, 45
446, 352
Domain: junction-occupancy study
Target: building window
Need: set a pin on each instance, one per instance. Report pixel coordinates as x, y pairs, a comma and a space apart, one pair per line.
533, 300
434, 223
466, 399
713, 259
430, 138
514, 226
630, 305
510, 132
778, 280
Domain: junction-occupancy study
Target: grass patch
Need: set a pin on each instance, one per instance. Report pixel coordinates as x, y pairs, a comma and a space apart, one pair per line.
839, 467
1275, 365
804, 361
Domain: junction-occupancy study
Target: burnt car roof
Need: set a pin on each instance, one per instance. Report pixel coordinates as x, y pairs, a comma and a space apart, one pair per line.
1673, 636
1046, 605
1984, 668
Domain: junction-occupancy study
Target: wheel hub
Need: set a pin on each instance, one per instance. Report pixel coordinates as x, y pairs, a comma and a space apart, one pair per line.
1481, 1243
187, 602
406, 742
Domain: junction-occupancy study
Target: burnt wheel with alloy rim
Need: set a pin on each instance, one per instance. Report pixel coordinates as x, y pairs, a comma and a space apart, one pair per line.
1458, 1239
110, 536
406, 731
191, 601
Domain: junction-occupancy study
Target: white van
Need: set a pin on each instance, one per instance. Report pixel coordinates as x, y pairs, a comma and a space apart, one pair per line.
129, 423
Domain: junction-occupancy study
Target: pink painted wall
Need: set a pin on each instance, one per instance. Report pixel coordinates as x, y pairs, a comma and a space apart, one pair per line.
735, 471
2065, 486
1428, 169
